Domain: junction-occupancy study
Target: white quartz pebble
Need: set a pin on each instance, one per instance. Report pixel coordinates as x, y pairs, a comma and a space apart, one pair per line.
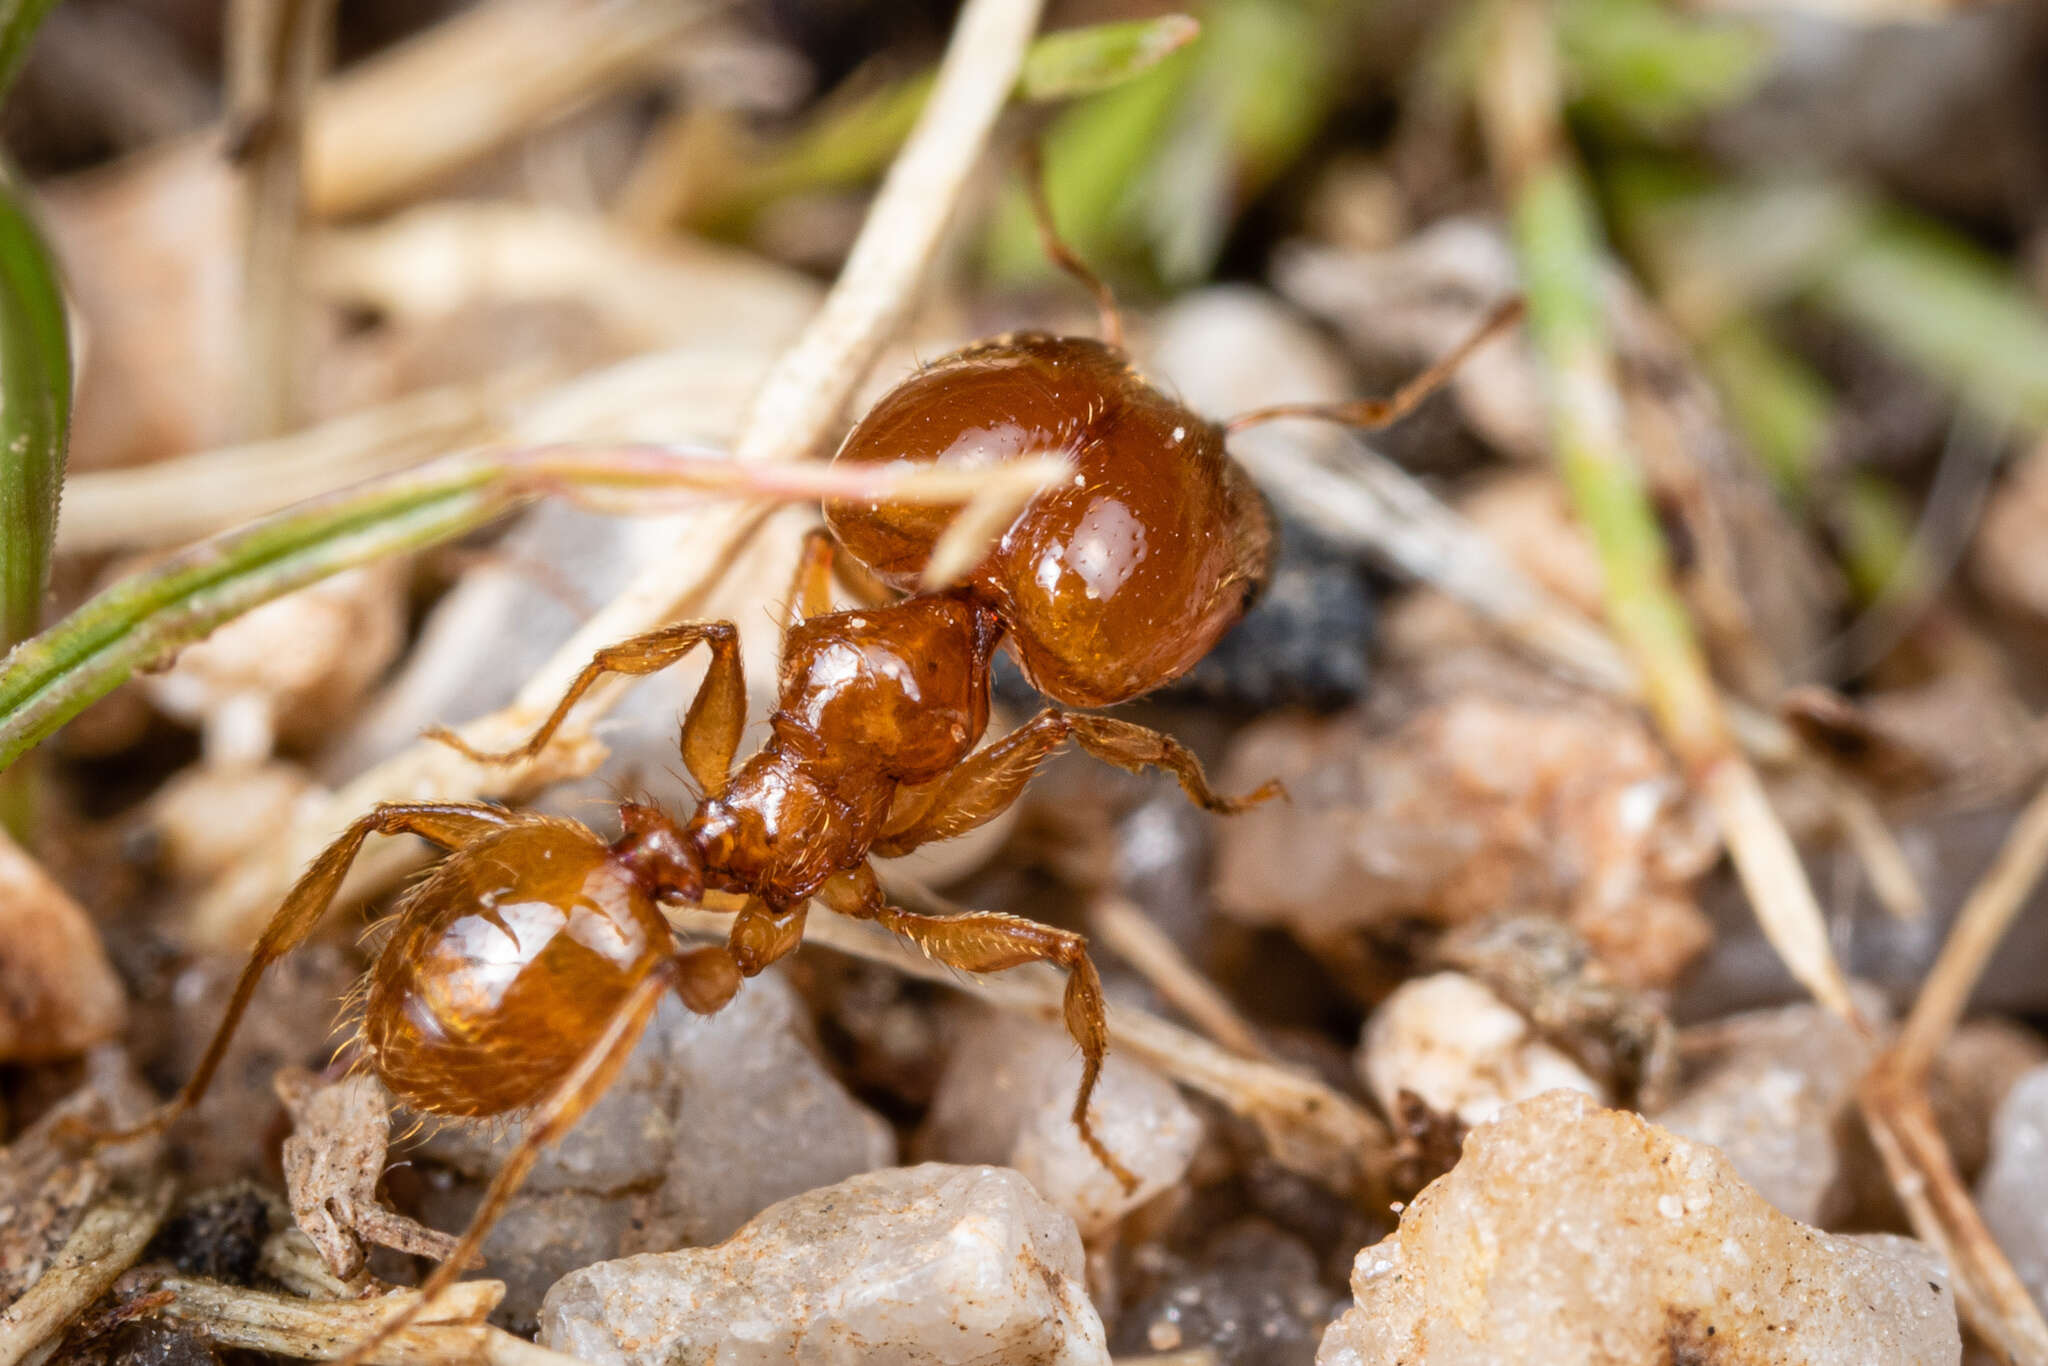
1461, 1050
1571, 1233
924, 1266
1007, 1096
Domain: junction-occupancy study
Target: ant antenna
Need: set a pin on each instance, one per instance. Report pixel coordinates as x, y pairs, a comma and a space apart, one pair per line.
1062, 255
1368, 413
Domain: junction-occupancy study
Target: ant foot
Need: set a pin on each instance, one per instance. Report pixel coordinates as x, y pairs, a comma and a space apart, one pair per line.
1125, 1177
81, 1137
470, 752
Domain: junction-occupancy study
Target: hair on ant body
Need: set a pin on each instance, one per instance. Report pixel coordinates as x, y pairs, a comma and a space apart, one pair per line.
522, 970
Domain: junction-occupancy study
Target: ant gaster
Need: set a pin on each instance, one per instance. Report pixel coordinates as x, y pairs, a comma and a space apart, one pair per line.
522, 970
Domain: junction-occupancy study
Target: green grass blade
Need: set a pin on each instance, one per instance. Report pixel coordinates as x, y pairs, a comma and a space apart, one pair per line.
852, 141
1949, 307
1081, 61
145, 618
35, 409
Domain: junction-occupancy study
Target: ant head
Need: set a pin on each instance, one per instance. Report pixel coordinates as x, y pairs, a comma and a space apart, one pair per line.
660, 857
1109, 586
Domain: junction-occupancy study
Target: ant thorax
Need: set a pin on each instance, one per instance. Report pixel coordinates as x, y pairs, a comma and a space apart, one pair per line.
869, 700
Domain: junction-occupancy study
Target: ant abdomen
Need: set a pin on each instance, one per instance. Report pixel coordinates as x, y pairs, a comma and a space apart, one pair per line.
1109, 587
506, 965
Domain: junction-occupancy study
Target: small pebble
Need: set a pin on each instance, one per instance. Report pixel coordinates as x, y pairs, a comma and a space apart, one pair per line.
926, 1266
1773, 1099
2013, 1192
1007, 1096
1253, 1300
1570, 1233
1459, 1049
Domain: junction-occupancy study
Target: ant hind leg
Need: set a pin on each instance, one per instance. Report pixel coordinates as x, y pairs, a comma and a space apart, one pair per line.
989, 941
556, 1115
448, 824
711, 730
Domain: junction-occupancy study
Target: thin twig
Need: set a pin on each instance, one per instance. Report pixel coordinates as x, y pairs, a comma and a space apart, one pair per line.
1990, 1296
1983, 921
1125, 930
791, 417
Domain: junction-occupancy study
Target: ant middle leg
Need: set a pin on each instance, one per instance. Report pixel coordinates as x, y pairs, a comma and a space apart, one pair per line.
448, 824
990, 941
554, 1117
711, 730
990, 779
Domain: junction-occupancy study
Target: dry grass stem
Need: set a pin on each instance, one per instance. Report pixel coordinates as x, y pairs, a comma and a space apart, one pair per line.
974, 531
1558, 247
276, 51
1308, 1127
188, 497
1776, 881
449, 1332
1128, 932
1982, 922
474, 82
105, 1244
1892, 880
791, 416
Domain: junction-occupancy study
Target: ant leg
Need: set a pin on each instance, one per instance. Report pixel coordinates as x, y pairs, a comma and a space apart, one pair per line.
762, 933
448, 824
992, 778
810, 593
1368, 413
711, 730
1062, 255
555, 1116
707, 978
989, 941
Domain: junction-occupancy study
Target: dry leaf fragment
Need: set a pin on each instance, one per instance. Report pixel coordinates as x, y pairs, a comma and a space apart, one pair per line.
332, 1164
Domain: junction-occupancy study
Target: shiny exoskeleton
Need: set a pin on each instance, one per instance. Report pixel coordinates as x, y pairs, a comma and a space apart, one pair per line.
521, 971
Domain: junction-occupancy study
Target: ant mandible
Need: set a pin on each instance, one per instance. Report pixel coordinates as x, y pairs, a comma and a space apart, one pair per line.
523, 969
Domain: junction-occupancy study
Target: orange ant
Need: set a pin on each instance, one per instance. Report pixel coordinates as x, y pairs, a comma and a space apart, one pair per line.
523, 969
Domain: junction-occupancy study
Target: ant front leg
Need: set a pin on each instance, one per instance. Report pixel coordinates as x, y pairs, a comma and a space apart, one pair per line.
810, 592
762, 933
991, 778
989, 941
448, 824
554, 1117
711, 730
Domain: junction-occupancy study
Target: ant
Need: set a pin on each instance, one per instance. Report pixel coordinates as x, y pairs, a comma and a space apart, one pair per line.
526, 965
